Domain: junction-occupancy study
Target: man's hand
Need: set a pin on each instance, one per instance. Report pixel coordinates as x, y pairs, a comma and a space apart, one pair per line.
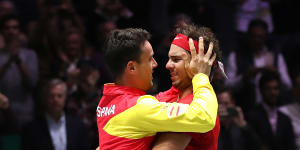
200, 63
3, 101
239, 119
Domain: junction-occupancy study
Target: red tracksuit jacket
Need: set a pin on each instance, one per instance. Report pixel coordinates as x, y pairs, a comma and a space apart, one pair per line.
200, 141
128, 120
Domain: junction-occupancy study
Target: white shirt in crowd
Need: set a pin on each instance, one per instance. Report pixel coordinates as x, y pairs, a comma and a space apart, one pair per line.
58, 132
264, 60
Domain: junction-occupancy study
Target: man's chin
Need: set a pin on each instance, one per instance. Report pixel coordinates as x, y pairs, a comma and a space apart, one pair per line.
175, 84
150, 86
151, 89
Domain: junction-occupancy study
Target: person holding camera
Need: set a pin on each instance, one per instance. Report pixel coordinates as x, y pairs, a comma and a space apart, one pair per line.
235, 133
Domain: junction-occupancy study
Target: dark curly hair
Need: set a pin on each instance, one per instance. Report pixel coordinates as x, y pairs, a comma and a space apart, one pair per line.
193, 31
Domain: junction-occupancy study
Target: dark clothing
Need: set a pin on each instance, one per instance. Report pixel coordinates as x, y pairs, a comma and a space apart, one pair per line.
36, 136
8, 122
8, 125
237, 138
283, 139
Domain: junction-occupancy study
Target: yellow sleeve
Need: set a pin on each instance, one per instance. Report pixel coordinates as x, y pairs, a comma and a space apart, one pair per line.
149, 115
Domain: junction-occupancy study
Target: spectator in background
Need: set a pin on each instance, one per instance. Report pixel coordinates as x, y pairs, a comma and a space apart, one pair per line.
235, 132
72, 49
56, 17
273, 127
103, 30
6, 8
249, 10
18, 70
200, 11
293, 110
246, 64
107, 10
97, 58
83, 102
56, 129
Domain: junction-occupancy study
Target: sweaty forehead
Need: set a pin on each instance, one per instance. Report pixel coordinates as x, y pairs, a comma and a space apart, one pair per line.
176, 51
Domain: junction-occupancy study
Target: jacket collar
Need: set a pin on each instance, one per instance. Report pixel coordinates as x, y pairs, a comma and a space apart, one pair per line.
114, 89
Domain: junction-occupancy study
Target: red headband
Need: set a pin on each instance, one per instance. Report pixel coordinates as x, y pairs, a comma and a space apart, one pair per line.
183, 42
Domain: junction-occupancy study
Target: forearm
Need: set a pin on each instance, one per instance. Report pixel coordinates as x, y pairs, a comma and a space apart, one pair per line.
171, 141
204, 103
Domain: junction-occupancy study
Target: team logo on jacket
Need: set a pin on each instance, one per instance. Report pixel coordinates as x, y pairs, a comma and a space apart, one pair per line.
105, 111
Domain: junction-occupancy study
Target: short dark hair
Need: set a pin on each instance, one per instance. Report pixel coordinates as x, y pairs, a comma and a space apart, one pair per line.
193, 31
267, 76
223, 89
257, 23
122, 46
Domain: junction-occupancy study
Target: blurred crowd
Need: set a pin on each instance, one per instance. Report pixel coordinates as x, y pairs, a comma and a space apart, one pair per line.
52, 67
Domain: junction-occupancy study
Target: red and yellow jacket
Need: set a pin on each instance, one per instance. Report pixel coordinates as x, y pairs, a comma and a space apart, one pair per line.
128, 119
200, 141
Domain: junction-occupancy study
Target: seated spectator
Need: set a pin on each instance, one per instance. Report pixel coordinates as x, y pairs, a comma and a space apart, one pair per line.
293, 110
56, 129
235, 132
273, 127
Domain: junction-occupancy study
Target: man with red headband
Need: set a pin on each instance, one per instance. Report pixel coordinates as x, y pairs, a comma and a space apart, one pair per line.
128, 119
182, 89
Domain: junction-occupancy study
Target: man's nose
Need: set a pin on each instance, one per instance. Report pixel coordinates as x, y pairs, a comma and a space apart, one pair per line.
169, 65
154, 65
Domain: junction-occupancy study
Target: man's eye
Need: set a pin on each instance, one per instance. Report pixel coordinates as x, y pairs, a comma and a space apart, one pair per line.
176, 60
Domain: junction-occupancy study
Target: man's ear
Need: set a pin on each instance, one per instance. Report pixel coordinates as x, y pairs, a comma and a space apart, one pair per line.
131, 67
